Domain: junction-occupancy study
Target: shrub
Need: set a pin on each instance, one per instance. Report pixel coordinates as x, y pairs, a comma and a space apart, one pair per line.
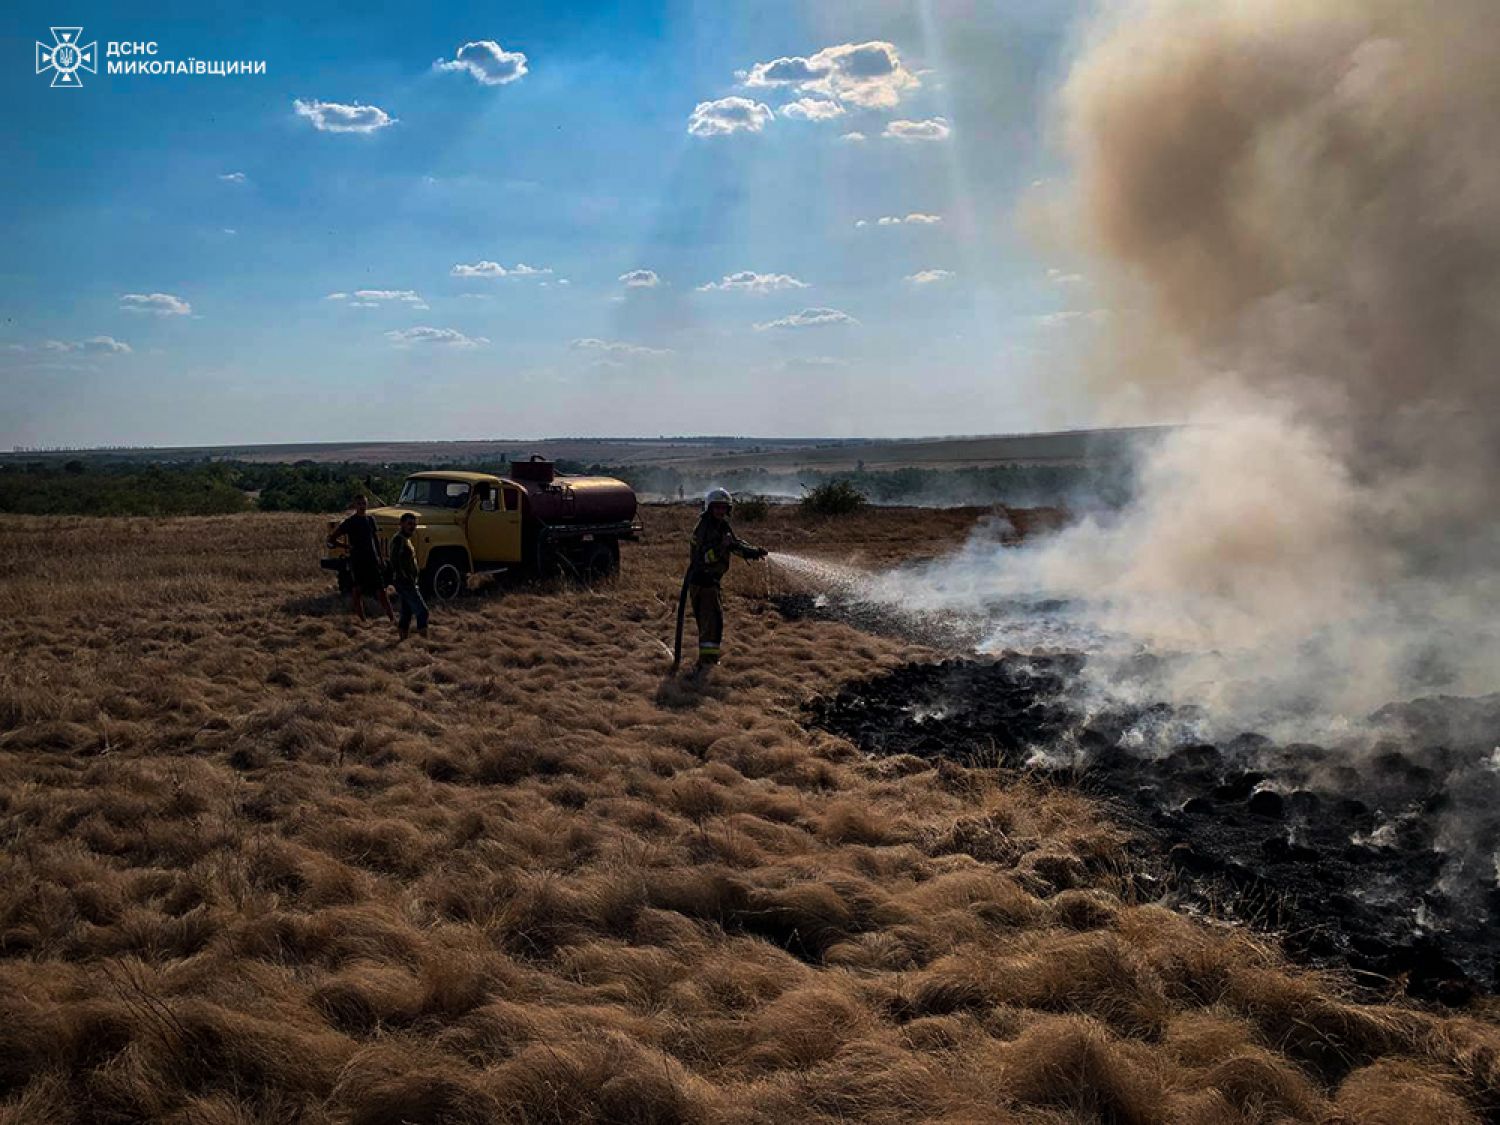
834, 498
751, 509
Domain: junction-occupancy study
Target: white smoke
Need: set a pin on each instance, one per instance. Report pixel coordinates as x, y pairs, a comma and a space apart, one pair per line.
1297, 207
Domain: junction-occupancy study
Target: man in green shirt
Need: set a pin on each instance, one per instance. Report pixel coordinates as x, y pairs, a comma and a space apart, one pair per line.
407, 578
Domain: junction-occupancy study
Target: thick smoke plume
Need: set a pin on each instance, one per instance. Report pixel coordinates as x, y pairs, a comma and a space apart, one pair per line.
1296, 206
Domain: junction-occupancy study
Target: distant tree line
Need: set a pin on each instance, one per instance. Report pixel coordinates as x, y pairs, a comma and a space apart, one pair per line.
1101, 483
97, 486
129, 487
80, 488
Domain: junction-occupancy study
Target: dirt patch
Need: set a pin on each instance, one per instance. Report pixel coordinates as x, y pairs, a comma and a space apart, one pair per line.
1340, 852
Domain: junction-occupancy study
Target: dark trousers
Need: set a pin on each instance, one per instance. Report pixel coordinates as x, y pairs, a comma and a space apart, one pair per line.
411, 605
366, 576
708, 614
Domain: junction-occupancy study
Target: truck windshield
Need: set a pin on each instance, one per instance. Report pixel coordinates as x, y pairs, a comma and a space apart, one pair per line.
435, 493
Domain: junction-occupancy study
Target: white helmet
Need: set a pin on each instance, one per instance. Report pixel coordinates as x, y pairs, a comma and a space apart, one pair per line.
717, 496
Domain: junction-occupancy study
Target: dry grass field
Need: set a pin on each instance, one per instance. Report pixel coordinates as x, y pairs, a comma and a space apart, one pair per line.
263, 865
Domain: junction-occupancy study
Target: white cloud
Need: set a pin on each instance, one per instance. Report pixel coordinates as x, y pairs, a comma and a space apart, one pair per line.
915, 218
487, 61
809, 318
813, 362
162, 304
373, 298
1059, 277
928, 277
932, 129
232, 177
405, 296
616, 348
1073, 316
1059, 319
94, 345
230, 231
495, 269
852, 138
333, 117
868, 75
728, 115
747, 281
640, 279
813, 109
794, 71
434, 337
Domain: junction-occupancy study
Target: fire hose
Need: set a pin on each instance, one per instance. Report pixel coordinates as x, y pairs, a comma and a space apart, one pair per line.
687, 580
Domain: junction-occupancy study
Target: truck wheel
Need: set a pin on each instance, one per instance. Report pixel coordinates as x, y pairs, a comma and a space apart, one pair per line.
543, 558
602, 560
446, 580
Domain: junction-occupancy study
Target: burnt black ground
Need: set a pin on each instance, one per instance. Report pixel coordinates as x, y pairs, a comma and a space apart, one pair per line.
1347, 854
950, 633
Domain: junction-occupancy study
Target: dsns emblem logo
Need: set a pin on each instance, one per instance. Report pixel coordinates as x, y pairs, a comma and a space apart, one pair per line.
65, 56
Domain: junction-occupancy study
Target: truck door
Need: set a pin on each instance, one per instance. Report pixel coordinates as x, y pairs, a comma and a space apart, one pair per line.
495, 524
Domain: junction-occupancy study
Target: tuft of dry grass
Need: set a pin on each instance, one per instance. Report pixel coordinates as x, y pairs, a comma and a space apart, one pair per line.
263, 864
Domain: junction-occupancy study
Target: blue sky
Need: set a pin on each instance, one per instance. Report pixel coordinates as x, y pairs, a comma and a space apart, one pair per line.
176, 244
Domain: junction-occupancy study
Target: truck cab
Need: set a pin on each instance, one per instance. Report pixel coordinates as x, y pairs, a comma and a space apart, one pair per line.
535, 519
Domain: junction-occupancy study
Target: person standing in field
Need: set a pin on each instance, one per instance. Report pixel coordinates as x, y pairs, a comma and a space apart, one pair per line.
713, 542
366, 566
407, 578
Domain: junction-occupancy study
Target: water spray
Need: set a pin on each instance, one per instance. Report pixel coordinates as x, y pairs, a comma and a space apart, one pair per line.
844, 580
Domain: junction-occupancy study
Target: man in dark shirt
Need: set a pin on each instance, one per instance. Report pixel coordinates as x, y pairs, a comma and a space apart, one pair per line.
366, 566
407, 578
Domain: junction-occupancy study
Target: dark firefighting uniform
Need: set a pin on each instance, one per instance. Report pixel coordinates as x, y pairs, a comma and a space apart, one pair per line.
713, 542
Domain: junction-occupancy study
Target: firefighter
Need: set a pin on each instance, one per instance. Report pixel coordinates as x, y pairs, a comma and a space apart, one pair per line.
713, 542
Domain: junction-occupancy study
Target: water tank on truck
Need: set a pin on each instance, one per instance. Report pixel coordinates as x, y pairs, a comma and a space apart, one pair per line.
554, 499
575, 521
